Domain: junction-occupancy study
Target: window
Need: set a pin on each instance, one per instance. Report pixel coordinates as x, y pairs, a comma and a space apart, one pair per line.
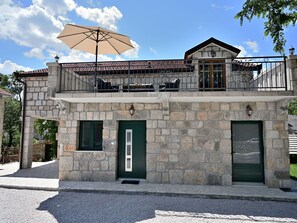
212, 76
90, 135
129, 147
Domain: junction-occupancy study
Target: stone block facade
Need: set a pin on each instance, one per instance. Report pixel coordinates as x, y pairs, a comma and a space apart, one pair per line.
187, 142
38, 102
38, 105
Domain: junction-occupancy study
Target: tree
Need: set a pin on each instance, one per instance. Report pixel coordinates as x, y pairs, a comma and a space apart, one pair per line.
292, 108
47, 129
11, 123
12, 111
279, 14
4, 82
10, 84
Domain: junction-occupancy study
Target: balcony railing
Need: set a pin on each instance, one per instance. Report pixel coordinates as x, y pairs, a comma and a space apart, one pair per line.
239, 74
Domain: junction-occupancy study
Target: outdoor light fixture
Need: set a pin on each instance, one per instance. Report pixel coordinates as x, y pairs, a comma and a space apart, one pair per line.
249, 110
212, 53
131, 110
57, 58
292, 50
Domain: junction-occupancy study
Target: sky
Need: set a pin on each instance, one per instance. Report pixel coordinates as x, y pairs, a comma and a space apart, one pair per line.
163, 29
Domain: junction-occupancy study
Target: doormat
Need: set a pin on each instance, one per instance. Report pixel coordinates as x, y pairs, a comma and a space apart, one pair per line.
130, 182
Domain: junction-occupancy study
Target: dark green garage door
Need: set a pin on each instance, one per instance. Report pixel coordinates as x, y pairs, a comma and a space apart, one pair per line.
132, 149
247, 152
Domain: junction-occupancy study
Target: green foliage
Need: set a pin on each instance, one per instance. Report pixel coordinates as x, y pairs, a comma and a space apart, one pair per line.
292, 108
10, 84
293, 170
278, 14
12, 111
47, 129
11, 123
4, 82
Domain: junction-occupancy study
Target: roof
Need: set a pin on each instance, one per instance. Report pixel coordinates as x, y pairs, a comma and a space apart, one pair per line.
117, 66
33, 73
209, 41
4, 93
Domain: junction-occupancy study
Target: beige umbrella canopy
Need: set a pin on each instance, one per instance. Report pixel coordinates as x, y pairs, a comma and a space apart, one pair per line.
95, 40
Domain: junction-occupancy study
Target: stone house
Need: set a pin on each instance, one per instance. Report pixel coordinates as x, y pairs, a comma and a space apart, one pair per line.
3, 94
203, 120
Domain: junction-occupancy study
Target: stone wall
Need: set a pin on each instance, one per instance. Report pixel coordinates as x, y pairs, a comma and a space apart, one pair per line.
38, 99
39, 151
187, 143
38, 105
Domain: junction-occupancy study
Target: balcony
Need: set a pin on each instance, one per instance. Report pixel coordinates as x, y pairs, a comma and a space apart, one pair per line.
250, 78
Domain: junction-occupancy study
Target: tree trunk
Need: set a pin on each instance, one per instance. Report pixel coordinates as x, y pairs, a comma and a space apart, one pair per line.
10, 139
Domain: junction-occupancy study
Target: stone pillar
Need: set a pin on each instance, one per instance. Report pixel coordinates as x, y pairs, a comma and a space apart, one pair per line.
53, 79
28, 143
281, 145
196, 70
1, 122
292, 66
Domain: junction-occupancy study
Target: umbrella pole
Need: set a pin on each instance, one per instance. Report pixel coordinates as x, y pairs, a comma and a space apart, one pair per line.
96, 70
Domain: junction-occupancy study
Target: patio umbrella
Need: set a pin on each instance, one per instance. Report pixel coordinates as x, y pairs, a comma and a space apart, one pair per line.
95, 40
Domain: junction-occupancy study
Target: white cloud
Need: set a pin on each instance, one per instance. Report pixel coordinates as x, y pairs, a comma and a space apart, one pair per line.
8, 67
55, 7
225, 7
106, 17
78, 56
32, 26
91, 2
153, 50
243, 52
253, 45
35, 52
37, 26
133, 53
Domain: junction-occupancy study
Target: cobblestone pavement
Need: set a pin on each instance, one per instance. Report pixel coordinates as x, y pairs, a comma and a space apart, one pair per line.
64, 207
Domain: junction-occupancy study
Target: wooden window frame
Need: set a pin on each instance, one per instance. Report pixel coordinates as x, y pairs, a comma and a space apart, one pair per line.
211, 64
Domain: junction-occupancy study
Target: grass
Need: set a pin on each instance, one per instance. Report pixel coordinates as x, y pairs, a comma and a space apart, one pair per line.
293, 171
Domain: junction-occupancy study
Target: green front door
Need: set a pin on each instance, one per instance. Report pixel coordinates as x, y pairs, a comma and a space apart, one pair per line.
132, 149
247, 152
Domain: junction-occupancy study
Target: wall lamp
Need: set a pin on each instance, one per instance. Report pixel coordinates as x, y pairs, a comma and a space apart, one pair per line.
131, 110
249, 110
292, 51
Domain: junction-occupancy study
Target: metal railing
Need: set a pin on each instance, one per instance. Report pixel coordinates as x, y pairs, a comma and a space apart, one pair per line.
239, 74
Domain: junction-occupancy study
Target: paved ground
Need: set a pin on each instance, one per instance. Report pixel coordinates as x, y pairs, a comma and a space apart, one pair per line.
53, 206
294, 184
44, 176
